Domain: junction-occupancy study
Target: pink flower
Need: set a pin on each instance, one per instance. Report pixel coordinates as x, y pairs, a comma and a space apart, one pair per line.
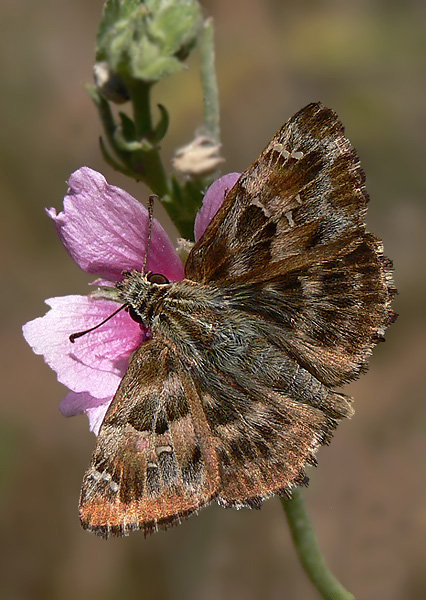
104, 229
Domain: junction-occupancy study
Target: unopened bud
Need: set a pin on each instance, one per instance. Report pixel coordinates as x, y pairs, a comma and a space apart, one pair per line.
110, 85
147, 40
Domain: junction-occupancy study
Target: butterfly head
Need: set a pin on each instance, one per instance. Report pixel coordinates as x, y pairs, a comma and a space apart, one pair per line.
142, 292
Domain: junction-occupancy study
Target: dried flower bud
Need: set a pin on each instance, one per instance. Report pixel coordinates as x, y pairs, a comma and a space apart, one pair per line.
184, 247
199, 158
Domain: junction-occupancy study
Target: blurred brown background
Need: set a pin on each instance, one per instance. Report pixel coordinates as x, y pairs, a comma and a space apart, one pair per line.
367, 498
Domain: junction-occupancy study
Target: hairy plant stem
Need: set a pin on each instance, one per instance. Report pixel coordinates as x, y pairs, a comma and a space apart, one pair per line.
209, 83
146, 164
308, 551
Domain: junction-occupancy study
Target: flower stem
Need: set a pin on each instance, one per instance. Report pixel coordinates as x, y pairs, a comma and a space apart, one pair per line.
140, 93
147, 164
209, 83
308, 550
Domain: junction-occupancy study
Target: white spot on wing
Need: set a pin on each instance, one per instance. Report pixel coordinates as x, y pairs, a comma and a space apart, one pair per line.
258, 203
113, 486
289, 216
296, 154
166, 448
278, 148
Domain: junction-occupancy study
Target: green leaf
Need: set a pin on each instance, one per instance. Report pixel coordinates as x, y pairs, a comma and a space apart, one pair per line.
127, 127
162, 125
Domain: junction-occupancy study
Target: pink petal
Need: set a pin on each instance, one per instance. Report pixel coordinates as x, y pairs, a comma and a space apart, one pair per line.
96, 362
105, 229
96, 416
213, 199
78, 403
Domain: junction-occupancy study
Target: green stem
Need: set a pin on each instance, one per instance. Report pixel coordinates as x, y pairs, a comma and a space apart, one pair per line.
209, 83
308, 550
140, 93
146, 165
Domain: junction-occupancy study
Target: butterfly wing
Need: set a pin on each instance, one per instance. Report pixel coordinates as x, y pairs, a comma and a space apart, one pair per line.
305, 190
291, 237
155, 460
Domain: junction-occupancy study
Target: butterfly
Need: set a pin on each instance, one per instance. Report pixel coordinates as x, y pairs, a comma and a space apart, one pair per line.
284, 298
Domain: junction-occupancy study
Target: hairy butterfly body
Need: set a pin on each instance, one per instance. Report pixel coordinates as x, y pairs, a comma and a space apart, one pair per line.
284, 298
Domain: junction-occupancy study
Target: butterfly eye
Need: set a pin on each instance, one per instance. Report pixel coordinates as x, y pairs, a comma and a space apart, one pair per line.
134, 315
157, 278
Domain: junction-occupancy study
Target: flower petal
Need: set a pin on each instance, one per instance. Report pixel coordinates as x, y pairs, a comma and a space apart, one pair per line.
96, 416
105, 230
212, 201
77, 403
82, 402
96, 362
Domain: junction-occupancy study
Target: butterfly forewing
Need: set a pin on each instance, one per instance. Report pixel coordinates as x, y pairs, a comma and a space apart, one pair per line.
305, 189
154, 461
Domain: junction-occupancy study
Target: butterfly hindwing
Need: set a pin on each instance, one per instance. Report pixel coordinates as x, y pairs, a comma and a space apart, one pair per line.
267, 414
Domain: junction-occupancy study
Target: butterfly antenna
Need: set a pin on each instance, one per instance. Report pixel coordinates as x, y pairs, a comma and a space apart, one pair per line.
74, 336
150, 220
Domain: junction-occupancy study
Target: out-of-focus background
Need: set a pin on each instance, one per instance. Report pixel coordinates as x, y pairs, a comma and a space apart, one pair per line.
367, 498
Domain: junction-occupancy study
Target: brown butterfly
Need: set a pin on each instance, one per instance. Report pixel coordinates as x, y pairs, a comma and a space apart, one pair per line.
284, 297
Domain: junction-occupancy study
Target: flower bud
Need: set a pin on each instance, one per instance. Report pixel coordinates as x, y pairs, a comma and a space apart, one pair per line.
147, 39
